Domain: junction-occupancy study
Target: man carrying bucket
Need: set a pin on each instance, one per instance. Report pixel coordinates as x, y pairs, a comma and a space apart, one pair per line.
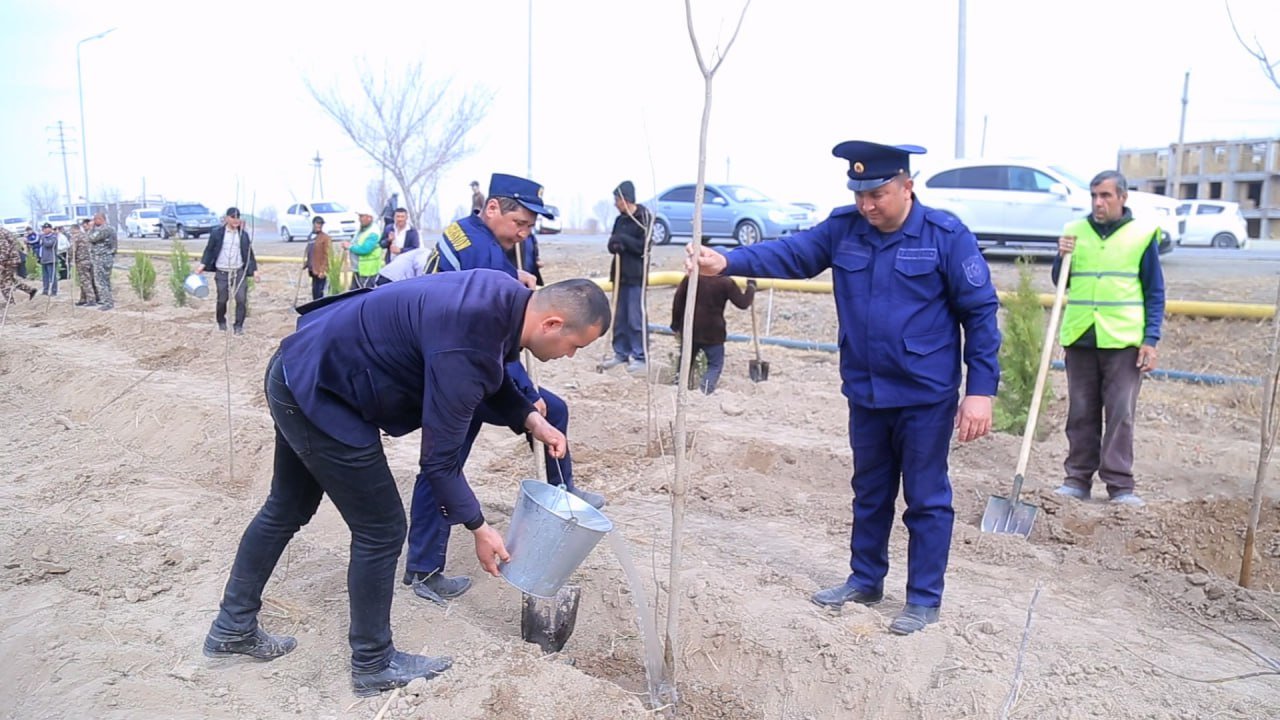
907, 280
422, 353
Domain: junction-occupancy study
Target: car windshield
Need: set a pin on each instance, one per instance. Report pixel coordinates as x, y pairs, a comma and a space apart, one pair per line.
1069, 176
14, 220
744, 194
193, 210
329, 207
149, 214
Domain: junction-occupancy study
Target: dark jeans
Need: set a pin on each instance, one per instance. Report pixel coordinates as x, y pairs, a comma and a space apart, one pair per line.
225, 282
48, 279
628, 326
318, 286
308, 465
1102, 392
715, 365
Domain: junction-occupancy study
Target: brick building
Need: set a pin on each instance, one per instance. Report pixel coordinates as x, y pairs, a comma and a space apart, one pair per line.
1242, 171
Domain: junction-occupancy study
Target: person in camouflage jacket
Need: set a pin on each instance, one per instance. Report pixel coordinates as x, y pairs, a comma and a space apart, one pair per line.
82, 257
10, 257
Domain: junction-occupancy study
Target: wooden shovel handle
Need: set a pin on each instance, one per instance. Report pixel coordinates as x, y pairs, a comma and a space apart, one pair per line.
755, 332
1046, 353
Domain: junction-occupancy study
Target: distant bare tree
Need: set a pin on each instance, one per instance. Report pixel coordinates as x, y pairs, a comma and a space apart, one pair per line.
377, 193
1256, 50
42, 200
603, 211
409, 127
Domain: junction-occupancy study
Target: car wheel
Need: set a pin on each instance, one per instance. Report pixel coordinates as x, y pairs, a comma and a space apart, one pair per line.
284, 234
181, 232
1225, 240
747, 233
661, 233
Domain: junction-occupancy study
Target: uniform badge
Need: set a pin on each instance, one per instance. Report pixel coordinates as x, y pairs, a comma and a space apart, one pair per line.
858, 167
975, 271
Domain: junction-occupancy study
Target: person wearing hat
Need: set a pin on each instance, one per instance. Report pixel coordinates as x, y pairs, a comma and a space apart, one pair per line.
317, 257
477, 198
907, 280
627, 243
229, 255
481, 242
48, 260
367, 250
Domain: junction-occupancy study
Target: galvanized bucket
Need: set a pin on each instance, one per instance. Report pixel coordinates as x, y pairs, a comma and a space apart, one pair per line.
551, 533
196, 285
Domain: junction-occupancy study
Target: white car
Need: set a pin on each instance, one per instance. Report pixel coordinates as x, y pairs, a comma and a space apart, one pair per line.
16, 224
547, 226
339, 222
58, 220
1022, 205
143, 222
1214, 222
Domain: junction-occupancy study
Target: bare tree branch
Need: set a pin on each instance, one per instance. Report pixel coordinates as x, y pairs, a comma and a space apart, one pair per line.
41, 200
411, 128
1256, 50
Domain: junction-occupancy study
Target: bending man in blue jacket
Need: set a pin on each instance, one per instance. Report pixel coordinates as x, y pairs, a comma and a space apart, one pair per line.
482, 241
423, 353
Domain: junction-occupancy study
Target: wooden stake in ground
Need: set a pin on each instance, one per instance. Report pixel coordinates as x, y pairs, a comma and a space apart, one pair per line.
1266, 445
678, 487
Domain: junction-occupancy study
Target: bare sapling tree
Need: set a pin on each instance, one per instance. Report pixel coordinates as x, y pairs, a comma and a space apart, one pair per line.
1255, 49
41, 200
413, 129
1266, 446
679, 486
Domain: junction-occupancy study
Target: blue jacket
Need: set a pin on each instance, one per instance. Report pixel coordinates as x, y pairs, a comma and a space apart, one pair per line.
421, 353
901, 301
467, 244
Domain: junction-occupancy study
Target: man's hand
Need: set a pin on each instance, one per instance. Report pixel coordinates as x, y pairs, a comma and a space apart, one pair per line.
490, 549
542, 430
527, 279
705, 260
541, 407
199, 269
1066, 244
974, 417
1146, 358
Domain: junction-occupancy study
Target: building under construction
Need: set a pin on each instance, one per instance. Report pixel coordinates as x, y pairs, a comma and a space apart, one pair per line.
1242, 171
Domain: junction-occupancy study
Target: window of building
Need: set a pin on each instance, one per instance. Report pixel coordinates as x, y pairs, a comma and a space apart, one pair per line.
1215, 191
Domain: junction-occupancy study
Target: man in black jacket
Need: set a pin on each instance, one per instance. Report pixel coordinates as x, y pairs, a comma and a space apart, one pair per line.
627, 243
229, 256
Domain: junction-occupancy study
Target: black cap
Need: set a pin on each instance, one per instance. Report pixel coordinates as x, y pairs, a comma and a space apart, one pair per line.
626, 190
46, 226
526, 192
872, 164
233, 212
317, 220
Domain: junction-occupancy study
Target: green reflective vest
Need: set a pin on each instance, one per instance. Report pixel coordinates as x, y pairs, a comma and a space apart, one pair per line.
1105, 292
367, 251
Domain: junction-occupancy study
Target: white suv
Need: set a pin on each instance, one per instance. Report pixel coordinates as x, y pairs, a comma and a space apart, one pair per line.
339, 222
1213, 222
1023, 205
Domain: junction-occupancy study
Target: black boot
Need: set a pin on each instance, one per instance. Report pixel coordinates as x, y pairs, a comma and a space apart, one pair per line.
436, 587
259, 646
403, 669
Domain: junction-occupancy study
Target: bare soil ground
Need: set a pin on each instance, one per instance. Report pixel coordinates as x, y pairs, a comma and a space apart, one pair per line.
121, 509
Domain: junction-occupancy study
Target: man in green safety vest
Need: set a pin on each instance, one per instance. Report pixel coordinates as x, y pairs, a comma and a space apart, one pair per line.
1115, 305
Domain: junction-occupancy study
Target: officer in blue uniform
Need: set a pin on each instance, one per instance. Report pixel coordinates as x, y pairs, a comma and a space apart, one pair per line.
482, 241
422, 353
907, 280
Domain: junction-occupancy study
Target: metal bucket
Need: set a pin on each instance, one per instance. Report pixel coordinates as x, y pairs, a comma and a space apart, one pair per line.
196, 285
551, 533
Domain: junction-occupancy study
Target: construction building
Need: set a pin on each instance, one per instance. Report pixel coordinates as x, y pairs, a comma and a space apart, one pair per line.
1242, 171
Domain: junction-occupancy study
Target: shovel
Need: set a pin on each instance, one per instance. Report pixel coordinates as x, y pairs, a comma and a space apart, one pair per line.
1011, 516
759, 369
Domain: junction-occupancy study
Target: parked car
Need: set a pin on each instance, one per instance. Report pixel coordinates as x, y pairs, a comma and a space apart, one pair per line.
339, 222
1024, 205
186, 220
1213, 222
143, 222
16, 224
546, 226
729, 211
814, 216
57, 220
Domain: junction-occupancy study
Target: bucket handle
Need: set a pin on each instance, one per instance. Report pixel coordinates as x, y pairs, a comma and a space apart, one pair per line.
564, 487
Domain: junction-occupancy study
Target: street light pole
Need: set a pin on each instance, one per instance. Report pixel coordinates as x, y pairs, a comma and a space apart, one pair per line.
84, 149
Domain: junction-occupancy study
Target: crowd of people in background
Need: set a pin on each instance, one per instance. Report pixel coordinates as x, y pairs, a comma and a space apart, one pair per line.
88, 247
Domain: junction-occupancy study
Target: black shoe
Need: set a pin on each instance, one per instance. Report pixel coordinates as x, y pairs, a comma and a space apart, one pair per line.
222, 327
259, 646
238, 330
31, 292
403, 669
913, 618
105, 306
836, 597
436, 587
82, 303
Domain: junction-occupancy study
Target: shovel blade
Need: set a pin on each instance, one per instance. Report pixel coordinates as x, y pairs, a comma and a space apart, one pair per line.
1006, 517
548, 623
759, 370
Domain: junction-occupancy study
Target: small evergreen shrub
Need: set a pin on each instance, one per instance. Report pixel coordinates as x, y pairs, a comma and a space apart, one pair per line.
142, 276
1024, 326
179, 269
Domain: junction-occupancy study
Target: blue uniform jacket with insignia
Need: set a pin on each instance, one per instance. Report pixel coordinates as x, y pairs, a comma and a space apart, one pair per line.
468, 244
901, 300
419, 353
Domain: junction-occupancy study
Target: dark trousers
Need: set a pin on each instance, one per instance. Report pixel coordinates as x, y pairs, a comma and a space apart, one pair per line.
628, 325
318, 286
48, 279
428, 529
22, 265
1102, 392
715, 365
906, 445
308, 465
226, 282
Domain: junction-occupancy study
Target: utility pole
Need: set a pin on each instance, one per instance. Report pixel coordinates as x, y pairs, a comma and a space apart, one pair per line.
1174, 191
529, 66
960, 73
317, 177
60, 139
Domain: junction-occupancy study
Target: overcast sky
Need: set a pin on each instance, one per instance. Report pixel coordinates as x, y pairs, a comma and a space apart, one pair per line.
201, 97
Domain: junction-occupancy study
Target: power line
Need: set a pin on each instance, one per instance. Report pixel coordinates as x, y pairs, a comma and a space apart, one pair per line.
60, 140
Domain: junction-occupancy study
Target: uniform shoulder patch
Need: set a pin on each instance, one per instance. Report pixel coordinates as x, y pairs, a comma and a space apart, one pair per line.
943, 219
976, 271
457, 237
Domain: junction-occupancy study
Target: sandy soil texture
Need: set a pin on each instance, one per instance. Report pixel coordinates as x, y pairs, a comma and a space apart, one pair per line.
121, 507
